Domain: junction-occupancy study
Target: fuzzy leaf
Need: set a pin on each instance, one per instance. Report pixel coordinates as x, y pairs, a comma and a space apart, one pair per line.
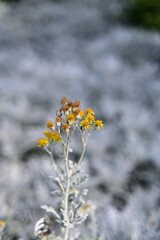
51, 209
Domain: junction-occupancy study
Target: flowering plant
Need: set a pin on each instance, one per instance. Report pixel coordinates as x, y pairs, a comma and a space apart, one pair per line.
67, 174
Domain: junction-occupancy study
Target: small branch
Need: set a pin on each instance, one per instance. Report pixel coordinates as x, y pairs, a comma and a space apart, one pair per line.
55, 168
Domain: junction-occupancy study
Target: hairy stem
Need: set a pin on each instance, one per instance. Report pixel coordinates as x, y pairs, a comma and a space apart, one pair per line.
66, 204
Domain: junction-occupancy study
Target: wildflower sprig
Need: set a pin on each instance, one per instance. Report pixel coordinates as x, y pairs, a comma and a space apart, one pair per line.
69, 119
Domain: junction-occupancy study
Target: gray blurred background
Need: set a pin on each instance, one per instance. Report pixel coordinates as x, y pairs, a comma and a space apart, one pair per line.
106, 54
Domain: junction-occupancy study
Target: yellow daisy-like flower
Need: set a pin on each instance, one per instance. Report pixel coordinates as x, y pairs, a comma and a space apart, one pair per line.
2, 223
81, 113
48, 135
98, 124
89, 111
85, 124
90, 118
70, 118
56, 137
42, 142
50, 125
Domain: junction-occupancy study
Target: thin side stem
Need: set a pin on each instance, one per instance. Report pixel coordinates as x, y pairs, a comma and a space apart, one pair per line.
55, 169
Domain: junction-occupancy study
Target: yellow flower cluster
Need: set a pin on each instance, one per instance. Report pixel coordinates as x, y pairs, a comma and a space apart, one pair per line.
42, 142
68, 114
89, 120
50, 136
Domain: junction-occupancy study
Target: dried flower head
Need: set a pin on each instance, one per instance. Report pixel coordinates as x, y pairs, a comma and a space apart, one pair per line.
75, 105
85, 124
66, 109
70, 104
50, 125
42, 142
64, 100
70, 118
98, 124
58, 121
65, 127
77, 113
89, 111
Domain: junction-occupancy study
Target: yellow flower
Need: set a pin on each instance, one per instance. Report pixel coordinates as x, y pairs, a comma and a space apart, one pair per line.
2, 223
42, 142
56, 137
48, 135
90, 118
85, 124
98, 124
50, 125
81, 113
70, 118
89, 111
85, 208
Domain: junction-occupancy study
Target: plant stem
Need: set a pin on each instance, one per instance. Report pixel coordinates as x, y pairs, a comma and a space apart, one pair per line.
66, 204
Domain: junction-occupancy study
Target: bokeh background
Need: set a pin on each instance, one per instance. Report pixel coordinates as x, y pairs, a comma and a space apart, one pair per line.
106, 54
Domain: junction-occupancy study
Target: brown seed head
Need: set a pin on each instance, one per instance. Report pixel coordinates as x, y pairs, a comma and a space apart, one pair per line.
65, 108
65, 127
70, 104
64, 100
76, 104
58, 119
77, 111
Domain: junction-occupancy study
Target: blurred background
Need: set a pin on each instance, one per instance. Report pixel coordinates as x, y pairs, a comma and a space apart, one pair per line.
106, 54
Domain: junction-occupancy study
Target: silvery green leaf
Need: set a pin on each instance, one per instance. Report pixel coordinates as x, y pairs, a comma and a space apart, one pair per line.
78, 171
50, 209
56, 192
67, 224
71, 164
71, 214
56, 182
39, 225
81, 219
64, 214
77, 207
82, 179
